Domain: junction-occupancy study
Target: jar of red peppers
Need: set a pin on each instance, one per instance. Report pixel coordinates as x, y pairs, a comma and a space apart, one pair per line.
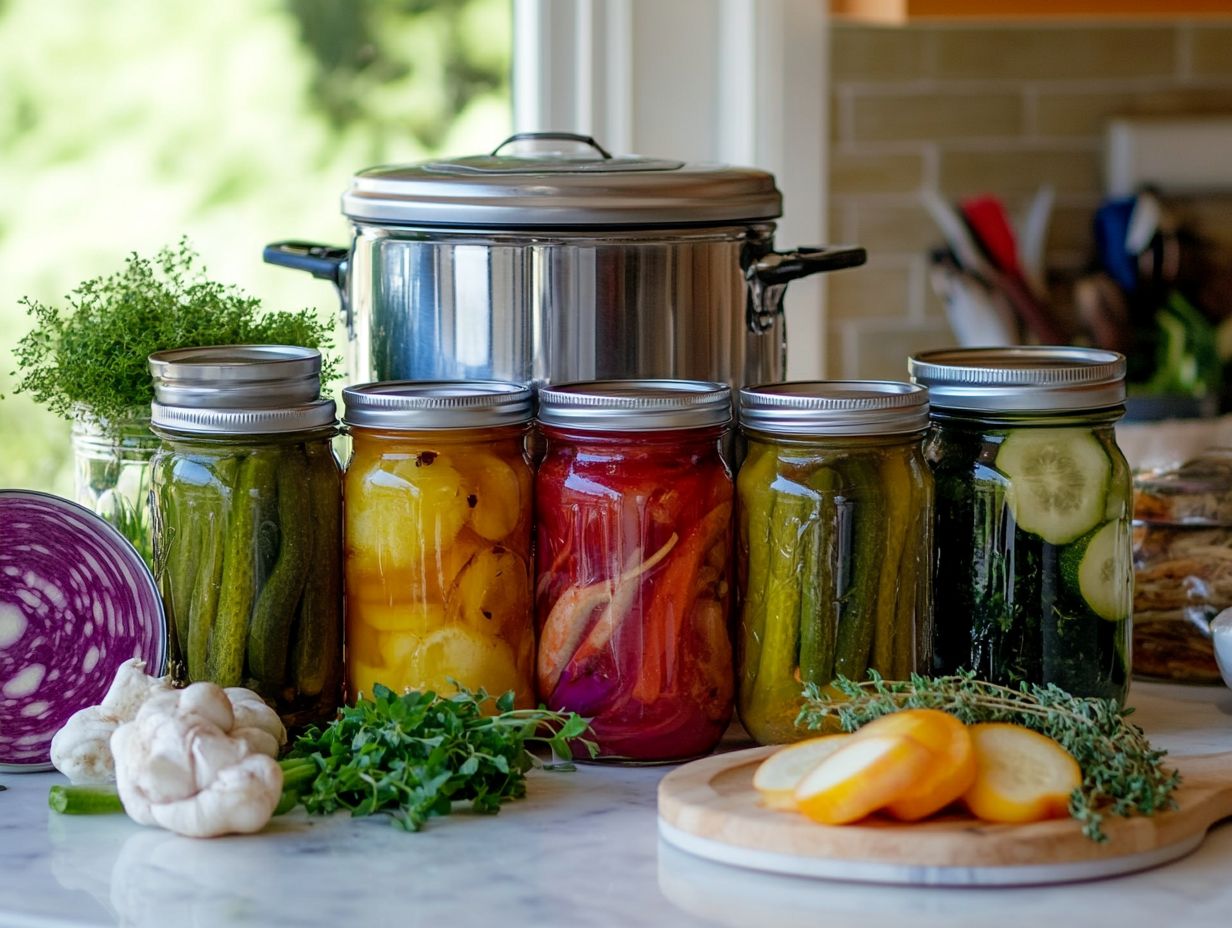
438, 532
835, 529
633, 549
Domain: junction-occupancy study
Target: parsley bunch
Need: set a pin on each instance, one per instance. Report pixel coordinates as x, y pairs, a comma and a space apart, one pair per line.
412, 756
1121, 772
91, 353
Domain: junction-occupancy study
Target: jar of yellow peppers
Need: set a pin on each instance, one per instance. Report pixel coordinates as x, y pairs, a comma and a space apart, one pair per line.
438, 538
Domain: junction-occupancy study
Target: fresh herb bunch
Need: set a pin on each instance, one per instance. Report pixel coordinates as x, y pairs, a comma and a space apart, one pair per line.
412, 756
1121, 772
91, 354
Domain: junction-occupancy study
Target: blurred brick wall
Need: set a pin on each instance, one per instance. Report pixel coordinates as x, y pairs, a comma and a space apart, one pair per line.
968, 110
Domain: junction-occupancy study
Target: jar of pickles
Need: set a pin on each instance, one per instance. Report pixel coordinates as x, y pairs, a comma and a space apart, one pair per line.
247, 508
834, 529
438, 538
1034, 570
633, 550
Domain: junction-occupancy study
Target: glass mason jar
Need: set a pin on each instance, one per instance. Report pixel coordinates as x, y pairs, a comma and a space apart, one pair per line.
247, 507
834, 532
1034, 571
438, 508
1183, 567
633, 506
111, 466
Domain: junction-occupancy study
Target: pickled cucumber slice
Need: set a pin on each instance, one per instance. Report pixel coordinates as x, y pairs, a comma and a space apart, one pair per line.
473, 660
402, 512
491, 593
1058, 481
416, 618
362, 676
495, 497
1100, 568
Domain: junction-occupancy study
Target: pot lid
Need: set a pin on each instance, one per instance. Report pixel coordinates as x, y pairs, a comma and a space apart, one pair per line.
555, 180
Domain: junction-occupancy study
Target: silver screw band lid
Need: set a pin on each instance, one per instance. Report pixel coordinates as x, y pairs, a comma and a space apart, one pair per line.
239, 389
437, 404
834, 408
635, 405
303, 418
236, 376
1023, 378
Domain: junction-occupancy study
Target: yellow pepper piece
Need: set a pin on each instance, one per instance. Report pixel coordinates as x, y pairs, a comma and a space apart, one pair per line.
862, 776
1021, 775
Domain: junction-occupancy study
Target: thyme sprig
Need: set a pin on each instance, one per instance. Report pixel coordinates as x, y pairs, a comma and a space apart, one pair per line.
1121, 773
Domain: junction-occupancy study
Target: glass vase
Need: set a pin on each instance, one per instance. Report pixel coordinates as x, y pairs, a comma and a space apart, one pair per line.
111, 465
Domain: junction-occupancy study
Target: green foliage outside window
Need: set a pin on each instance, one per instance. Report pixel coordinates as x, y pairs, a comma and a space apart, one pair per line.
128, 124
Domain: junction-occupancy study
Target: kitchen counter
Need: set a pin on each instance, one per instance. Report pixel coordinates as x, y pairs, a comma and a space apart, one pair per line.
582, 850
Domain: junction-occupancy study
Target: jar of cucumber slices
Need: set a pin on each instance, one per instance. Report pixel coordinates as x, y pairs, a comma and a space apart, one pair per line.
1033, 579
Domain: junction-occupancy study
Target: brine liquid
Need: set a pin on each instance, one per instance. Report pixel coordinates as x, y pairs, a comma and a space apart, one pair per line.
633, 588
1007, 607
834, 556
438, 534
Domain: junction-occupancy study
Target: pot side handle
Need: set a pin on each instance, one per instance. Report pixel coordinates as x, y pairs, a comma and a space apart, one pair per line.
769, 275
325, 262
779, 267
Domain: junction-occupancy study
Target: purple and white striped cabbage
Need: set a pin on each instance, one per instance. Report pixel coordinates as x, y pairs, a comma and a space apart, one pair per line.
76, 601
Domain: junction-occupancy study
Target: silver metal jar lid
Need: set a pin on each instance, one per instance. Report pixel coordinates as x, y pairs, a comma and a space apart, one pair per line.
236, 376
635, 405
559, 180
437, 404
1024, 378
303, 418
834, 407
239, 389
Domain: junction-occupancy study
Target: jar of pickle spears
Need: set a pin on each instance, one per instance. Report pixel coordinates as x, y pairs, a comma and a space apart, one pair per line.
1034, 570
634, 515
438, 538
247, 506
834, 533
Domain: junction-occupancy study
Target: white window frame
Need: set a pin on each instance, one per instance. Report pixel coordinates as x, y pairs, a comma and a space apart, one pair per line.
736, 81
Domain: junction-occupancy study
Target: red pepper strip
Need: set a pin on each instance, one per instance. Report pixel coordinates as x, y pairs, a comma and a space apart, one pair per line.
614, 612
564, 627
677, 589
562, 555
569, 619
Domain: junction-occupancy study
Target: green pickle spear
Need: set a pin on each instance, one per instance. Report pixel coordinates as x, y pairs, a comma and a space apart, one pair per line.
269, 632
896, 498
317, 654
864, 561
255, 490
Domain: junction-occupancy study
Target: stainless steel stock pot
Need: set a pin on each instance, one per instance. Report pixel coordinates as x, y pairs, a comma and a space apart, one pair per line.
551, 260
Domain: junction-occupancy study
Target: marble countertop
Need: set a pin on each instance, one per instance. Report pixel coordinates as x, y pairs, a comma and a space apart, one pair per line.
582, 850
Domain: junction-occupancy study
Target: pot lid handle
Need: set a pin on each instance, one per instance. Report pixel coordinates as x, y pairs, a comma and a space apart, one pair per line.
553, 136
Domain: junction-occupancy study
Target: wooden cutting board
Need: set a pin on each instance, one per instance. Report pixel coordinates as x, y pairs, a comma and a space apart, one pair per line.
709, 808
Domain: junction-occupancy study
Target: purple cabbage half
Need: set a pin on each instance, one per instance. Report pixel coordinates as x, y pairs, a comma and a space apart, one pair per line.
76, 601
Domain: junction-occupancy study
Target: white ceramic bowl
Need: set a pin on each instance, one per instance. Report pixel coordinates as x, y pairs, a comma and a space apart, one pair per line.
1221, 634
